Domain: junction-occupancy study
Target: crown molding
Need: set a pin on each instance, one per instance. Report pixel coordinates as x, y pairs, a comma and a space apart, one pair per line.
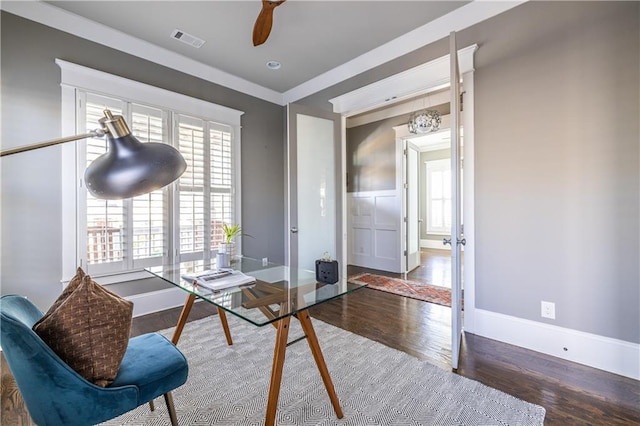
46, 14
461, 18
79, 26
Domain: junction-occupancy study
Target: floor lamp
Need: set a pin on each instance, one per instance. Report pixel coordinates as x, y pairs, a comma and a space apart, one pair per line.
129, 167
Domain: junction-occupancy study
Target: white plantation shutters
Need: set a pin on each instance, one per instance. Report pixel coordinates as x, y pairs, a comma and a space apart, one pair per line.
176, 223
205, 190
149, 219
105, 219
191, 187
221, 205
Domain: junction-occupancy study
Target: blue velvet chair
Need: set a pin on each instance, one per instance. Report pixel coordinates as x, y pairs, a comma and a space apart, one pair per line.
56, 395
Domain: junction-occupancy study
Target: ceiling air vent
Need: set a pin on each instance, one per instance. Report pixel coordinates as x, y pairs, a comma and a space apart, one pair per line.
187, 38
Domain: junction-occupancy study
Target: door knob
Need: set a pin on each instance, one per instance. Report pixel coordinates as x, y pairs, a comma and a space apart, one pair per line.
446, 241
294, 230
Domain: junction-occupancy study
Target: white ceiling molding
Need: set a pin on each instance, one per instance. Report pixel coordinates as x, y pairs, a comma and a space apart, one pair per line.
62, 20
461, 18
429, 77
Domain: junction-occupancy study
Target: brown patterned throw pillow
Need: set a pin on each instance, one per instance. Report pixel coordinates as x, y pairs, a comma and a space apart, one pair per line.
70, 288
89, 330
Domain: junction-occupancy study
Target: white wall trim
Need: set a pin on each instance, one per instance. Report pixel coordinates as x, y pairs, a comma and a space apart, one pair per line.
604, 353
459, 19
428, 77
434, 244
468, 194
86, 78
464, 17
71, 23
155, 301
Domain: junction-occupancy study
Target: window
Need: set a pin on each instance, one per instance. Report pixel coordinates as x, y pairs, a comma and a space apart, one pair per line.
128, 235
439, 197
179, 222
206, 189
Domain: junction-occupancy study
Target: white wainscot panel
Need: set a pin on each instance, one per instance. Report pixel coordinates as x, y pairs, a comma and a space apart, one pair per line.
374, 229
385, 244
361, 241
361, 211
387, 211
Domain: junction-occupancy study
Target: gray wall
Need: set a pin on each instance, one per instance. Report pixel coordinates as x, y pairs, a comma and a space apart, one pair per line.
557, 157
371, 156
31, 182
557, 145
371, 162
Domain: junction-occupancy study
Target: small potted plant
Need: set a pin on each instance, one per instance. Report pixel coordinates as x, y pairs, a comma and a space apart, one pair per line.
230, 233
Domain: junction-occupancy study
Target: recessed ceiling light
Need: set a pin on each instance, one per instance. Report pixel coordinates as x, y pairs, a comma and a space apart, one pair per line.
274, 65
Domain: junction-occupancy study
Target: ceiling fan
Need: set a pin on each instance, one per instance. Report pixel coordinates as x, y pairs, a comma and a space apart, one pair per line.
262, 27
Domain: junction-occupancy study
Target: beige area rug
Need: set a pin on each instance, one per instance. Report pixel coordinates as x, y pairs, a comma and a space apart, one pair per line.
376, 385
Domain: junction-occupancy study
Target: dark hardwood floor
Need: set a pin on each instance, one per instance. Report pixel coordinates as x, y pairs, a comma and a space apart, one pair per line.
434, 269
572, 394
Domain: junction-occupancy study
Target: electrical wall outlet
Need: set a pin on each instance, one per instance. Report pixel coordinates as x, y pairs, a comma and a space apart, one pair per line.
548, 310
265, 261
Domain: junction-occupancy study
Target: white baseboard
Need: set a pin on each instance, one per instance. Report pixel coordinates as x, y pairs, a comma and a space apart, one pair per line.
612, 355
434, 244
156, 301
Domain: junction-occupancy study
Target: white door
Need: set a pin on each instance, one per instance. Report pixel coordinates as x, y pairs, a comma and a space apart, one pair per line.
314, 181
456, 238
412, 205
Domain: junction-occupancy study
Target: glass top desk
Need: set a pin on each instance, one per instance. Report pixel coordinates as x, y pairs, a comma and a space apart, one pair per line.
277, 294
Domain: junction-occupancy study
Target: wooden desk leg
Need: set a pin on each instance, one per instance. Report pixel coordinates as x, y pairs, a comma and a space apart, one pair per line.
312, 340
225, 325
183, 318
279, 353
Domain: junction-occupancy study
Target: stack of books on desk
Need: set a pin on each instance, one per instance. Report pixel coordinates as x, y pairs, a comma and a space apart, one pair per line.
219, 279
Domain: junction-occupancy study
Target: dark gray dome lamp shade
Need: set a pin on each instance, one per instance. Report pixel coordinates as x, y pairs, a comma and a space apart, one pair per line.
129, 168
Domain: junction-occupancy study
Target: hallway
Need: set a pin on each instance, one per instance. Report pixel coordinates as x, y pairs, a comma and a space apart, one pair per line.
434, 269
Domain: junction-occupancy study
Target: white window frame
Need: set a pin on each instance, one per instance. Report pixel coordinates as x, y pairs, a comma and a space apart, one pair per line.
76, 77
435, 166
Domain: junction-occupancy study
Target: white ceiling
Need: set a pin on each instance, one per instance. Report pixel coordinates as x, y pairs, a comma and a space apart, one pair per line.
308, 37
319, 43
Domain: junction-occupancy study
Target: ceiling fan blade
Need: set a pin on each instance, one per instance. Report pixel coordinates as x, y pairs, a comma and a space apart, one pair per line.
262, 27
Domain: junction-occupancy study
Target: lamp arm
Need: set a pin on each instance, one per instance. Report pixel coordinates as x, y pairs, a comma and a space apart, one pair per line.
93, 133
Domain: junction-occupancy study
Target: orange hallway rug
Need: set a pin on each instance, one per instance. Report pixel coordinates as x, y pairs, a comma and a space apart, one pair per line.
413, 289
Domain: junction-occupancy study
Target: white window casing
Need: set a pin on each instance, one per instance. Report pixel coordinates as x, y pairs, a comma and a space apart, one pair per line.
147, 110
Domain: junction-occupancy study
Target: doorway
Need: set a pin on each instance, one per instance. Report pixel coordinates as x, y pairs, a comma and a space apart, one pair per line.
427, 169
369, 210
